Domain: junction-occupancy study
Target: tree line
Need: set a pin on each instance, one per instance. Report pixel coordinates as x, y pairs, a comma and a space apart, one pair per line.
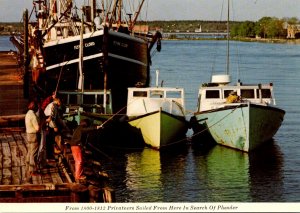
266, 27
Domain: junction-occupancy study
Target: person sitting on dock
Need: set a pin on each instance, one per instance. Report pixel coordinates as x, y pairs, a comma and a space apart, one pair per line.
32, 130
76, 147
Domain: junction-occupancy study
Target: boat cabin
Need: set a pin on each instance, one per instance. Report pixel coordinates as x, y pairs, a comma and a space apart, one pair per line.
212, 96
145, 100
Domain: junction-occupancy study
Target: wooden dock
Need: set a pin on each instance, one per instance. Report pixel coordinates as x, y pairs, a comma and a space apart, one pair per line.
53, 184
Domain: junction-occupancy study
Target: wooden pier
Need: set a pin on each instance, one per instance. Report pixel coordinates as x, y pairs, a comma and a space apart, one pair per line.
53, 184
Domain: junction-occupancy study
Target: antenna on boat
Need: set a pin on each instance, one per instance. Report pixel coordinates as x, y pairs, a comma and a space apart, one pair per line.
157, 74
227, 60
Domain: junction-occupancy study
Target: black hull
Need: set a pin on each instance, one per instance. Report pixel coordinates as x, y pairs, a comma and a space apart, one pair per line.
127, 64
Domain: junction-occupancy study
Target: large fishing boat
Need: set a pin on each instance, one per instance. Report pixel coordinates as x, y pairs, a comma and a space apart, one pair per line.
115, 52
240, 116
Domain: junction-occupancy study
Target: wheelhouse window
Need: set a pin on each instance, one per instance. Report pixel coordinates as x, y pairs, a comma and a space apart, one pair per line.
247, 93
212, 94
156, 94
227, 92
139, 93
173, 94
265, 93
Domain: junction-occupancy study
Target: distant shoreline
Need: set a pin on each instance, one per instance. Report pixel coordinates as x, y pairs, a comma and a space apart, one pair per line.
263, 40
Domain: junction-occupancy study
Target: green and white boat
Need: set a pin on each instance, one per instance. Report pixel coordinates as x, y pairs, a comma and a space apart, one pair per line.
243, 123
238, 116
160, 114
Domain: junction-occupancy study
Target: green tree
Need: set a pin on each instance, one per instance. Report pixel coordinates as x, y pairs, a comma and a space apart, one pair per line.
261, 28
247, 29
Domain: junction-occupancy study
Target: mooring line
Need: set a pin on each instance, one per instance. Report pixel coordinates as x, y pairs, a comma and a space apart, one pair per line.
207, 128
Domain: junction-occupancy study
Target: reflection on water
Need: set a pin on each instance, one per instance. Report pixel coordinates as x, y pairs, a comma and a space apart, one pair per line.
143, 175
217, 174
224, 173
266, 174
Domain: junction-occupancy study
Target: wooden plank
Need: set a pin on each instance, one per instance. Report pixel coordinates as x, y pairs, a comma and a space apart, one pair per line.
12, 129
46, 178
13, 150
6, 162
50, 186
6, 176
21, 154
37, 179
36, 193
56, 179
15, 160
16, 175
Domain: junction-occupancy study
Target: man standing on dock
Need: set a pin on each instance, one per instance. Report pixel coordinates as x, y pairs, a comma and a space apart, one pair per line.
32, 130
76, 144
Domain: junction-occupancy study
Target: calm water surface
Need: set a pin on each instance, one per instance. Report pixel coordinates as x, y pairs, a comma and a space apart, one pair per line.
218, 174
5, 44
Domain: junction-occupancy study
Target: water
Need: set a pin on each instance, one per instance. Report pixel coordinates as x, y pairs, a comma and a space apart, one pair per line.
5, 44
219, 174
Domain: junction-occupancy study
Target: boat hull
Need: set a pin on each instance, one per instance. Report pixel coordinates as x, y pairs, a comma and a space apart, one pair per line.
244, 126
127, 64
161, 129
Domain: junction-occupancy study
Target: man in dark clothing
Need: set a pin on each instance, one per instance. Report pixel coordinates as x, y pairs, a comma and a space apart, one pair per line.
76, 147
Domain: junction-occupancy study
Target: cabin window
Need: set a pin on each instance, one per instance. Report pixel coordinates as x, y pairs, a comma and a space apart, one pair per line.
139, 93
247, 93
173, 94
265, 93
212, 94
227, 92
156, 94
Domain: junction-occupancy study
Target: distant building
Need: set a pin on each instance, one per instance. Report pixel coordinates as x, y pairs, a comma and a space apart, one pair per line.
293, 31
199, 30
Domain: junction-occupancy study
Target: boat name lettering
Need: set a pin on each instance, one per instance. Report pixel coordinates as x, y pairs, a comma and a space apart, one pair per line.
88, 44
121, 44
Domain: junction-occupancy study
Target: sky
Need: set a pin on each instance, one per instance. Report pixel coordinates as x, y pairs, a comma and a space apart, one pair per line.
253, 10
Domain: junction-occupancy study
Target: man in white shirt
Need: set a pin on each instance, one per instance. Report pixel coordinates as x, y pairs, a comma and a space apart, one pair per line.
32, 130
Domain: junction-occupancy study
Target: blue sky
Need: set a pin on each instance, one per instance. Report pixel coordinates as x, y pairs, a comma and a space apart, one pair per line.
11, 10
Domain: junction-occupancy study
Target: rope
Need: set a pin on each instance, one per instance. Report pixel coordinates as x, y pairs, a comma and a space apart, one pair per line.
58, 80
113, 116
216, 122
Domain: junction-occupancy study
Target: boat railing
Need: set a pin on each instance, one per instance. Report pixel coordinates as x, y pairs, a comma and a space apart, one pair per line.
87, 100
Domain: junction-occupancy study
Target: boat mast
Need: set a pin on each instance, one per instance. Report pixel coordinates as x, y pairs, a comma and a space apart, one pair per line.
136, 16
81, 75
93, 13
120, 12
113, 17
227, 61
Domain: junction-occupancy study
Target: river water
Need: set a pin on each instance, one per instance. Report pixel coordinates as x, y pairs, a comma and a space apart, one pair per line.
217, 174
5, 44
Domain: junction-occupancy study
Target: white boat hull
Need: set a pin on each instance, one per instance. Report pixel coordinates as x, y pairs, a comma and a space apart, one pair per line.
161, 129
244, 126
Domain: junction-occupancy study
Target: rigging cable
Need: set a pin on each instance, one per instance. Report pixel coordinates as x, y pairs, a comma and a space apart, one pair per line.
236, 46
